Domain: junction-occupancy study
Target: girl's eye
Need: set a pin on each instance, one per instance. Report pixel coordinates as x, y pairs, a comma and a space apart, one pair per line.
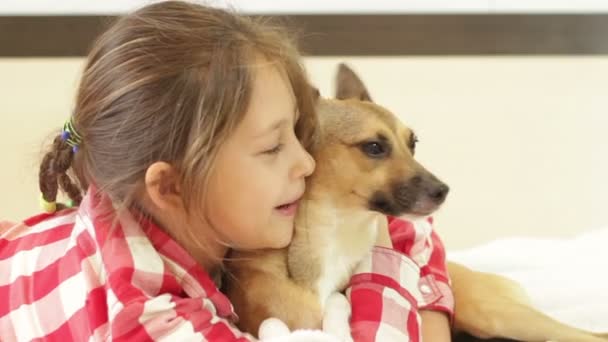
274, 150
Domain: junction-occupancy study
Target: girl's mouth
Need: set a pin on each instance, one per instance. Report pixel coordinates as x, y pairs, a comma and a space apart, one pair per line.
288, 209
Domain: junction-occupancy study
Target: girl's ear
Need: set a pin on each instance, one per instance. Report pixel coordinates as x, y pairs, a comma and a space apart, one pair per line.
162, 186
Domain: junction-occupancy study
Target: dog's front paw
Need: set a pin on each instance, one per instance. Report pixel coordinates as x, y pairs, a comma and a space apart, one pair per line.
337, 316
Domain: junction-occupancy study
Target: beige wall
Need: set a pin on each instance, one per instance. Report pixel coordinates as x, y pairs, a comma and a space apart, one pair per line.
520, 140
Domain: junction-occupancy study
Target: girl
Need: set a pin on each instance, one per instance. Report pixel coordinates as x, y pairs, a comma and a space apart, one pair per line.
188, 138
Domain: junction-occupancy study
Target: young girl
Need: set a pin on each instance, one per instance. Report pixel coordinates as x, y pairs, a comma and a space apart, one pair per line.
188, 138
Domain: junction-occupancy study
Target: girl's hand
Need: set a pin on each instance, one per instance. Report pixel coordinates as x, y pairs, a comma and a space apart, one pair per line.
435, 326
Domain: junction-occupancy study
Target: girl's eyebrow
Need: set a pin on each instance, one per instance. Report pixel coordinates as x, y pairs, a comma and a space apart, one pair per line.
276, 125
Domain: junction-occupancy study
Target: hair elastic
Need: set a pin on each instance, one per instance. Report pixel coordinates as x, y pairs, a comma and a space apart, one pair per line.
70, 135
48, 207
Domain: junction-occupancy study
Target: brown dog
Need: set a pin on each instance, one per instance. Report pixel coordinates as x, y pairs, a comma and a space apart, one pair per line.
365, 171
346, 201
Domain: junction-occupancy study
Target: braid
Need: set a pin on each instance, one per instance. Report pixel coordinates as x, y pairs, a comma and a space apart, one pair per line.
63, 158
53, 173
70, 188
47, 177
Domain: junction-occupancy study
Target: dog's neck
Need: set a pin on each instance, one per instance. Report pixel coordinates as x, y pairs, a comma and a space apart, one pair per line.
329, 242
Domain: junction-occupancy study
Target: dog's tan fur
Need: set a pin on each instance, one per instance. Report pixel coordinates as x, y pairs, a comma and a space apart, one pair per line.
285, 283
259, 287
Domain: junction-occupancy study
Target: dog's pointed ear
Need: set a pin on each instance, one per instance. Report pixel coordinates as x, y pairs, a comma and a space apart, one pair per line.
349, 85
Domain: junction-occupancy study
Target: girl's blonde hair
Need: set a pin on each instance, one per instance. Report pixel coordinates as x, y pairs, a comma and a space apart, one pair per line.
169, 82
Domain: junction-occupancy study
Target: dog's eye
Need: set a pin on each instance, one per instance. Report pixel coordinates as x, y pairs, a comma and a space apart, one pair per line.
374, 149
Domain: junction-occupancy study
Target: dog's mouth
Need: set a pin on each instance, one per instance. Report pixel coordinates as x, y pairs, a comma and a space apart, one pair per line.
406, 200
378, 203
420, 206
423, 207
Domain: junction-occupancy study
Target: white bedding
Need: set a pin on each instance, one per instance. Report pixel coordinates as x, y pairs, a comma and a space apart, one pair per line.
565, 278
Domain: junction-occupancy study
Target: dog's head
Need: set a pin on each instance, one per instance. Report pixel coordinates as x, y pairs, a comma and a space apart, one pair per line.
365, 156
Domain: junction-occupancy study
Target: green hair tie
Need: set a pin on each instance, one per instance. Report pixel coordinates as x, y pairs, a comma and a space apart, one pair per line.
70, 135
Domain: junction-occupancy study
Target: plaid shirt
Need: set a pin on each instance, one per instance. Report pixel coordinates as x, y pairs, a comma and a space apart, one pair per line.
72, 275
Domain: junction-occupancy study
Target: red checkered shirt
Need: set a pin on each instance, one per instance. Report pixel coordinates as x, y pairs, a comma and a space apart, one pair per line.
73, 275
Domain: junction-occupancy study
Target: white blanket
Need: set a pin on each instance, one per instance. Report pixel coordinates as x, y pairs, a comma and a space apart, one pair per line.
565, 278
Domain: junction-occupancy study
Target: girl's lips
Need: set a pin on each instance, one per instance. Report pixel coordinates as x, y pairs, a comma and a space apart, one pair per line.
288, 209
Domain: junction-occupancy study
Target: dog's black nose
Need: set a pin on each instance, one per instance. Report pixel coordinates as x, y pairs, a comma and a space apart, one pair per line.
439, 193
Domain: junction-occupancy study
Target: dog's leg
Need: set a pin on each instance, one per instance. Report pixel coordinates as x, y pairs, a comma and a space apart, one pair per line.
521, 322
488, 306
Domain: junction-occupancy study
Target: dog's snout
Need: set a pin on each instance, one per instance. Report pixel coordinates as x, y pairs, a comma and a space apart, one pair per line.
420, 195
416, 180
439, 193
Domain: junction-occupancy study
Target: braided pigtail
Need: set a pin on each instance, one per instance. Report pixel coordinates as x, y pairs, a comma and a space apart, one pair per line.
53, 175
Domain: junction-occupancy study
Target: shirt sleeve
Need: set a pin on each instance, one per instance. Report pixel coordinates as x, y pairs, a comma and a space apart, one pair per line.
382, 307
172, 318
419, 241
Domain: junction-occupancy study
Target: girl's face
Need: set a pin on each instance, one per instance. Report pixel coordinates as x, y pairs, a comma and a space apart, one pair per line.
259, 173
